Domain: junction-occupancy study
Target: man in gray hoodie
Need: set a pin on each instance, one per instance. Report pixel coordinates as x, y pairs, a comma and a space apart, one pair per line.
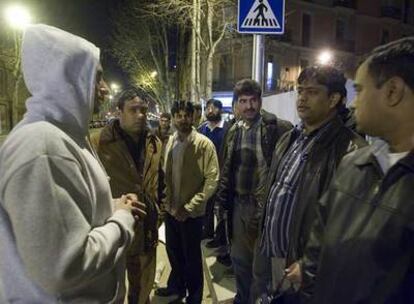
62, 236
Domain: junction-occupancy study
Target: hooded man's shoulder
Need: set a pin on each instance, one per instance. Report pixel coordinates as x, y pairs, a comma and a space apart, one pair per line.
34, 141
39, 138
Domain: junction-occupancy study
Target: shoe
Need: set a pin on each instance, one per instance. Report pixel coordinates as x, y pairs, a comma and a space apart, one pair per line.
178, 301
213, 244
166, 292
225, 260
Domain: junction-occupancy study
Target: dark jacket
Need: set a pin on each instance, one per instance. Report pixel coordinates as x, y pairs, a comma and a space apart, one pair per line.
124, 178
323, 160
362, 243
272, 129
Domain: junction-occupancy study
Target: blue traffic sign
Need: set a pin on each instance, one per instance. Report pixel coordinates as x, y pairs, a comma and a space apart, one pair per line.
261, 17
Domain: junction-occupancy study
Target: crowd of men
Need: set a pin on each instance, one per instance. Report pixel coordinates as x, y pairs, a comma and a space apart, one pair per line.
305, 214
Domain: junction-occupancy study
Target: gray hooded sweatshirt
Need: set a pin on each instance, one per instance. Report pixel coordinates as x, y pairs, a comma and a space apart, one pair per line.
60, 239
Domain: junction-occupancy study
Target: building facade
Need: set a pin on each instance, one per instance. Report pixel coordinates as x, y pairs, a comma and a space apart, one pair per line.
347, 28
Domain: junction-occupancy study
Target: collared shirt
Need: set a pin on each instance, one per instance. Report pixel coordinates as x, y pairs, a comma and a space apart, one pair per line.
381, 150
178, 150
250, 165
212, 127
282, 197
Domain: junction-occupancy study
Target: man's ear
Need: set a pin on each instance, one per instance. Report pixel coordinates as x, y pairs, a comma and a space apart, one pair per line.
394, 90
334, 100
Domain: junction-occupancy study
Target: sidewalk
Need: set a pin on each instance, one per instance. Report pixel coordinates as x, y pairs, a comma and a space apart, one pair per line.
162, 257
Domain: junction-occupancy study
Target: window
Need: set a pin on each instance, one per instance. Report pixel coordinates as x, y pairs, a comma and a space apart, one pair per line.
304, 63
272, 74
340, 29
407, 9
385, 36
225, 72
306, 29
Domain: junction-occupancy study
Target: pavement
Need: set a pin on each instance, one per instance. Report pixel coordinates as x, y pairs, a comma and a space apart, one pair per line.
219, 281
163, 259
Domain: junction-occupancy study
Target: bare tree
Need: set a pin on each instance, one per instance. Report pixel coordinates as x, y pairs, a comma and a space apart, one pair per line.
209, 21
141, 44
10, 57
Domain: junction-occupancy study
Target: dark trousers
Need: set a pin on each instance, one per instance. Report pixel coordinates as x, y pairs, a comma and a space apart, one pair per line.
219, 233
208, 229
184, 253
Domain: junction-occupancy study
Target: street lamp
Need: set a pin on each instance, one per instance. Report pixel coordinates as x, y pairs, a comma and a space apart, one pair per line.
325, 57
114, 87
18, 16
154, 74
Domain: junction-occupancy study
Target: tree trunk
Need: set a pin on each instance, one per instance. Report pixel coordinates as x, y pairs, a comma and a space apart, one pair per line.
18, 77
15, 102
195, 52
209, 75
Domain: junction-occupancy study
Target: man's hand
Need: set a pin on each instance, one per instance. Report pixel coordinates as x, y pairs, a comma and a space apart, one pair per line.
182, 214
294, 273
130, 203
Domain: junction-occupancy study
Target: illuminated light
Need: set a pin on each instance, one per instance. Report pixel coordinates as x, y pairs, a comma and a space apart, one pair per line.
114, 87
325, 57
269, 80
18, 16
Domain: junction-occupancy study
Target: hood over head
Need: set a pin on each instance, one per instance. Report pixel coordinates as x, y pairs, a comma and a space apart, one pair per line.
59, 70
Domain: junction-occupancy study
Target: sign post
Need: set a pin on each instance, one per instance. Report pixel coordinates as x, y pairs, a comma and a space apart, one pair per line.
260, 17
258, 58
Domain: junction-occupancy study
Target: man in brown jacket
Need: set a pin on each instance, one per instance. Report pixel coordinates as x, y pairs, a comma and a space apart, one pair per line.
132, 158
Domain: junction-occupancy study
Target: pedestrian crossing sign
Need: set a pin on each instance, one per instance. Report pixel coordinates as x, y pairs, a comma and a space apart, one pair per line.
261, 17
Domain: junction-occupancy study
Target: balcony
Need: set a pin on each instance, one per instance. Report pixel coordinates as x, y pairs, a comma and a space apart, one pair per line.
345, 45
345, 3
389, 11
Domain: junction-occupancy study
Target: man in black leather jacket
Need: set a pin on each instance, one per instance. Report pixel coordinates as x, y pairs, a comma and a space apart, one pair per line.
361, 248
303, 164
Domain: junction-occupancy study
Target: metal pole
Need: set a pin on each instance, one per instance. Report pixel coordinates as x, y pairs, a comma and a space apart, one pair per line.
258, 58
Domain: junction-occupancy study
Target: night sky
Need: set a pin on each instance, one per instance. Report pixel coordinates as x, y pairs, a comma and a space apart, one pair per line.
90, 19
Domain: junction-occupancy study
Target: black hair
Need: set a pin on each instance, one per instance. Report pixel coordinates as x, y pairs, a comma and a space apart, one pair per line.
215, 102
327, 76
181, 105
165, 115
393, 59
247, 87
131, 93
